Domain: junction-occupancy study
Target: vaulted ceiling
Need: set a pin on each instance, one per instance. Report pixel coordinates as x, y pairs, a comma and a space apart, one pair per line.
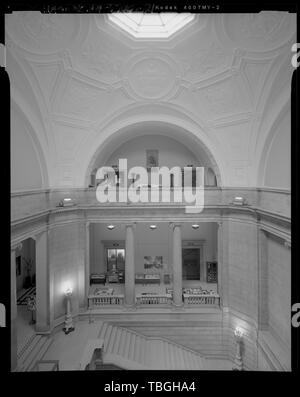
78, 79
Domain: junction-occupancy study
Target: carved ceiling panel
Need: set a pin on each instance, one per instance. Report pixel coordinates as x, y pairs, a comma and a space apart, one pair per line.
207, 61
98, 58
263, 31
42, 33
83, 101
222, 98
255, 73
47, 74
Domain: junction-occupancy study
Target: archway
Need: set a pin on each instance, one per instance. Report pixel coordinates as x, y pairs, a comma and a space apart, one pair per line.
158, 128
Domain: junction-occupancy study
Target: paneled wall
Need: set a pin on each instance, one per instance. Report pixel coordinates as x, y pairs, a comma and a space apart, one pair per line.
279, 287
242, 267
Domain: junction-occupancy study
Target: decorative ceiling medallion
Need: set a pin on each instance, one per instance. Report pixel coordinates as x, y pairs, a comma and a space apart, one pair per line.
151, 76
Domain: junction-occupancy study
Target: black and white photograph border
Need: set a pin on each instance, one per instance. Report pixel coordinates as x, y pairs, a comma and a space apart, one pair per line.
204, 89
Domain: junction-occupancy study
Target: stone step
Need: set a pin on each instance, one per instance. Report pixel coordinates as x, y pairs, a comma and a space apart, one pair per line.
117, 341
28, 351
111, 339
41, 353
38, 343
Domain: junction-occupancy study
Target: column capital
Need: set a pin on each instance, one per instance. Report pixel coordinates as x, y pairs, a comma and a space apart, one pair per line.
130, 224
175, 224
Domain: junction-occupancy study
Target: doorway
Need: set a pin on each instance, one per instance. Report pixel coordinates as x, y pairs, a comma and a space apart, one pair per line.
191, 263
26, 289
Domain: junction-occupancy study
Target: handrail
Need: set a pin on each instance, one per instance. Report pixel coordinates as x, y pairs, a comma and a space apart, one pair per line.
89, 350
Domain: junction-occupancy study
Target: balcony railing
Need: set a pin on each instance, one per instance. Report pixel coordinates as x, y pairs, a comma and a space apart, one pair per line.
201, 299
153, 300
105, 300
27, 203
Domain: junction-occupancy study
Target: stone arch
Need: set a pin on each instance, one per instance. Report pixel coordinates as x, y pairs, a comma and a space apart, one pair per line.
34, 143
271, 136
184, 130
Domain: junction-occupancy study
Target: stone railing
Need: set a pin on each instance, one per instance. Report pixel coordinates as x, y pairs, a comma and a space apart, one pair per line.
105, 300
201, 299
153, 300
29, 203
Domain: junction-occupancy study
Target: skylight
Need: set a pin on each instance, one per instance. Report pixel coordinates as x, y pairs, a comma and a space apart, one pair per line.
151, 26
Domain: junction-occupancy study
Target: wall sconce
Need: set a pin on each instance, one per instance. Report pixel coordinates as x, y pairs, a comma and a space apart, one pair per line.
110, 227
195, 226
66, 202
238, 362
238, 200
153, 227
69, 327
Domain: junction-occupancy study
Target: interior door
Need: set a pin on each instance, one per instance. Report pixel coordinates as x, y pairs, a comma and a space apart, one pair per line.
191, 263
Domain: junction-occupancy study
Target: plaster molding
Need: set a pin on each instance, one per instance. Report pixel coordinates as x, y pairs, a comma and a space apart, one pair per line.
151, 75
261, 32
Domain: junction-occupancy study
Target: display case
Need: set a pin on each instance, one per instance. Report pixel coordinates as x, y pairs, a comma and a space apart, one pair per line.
212, 272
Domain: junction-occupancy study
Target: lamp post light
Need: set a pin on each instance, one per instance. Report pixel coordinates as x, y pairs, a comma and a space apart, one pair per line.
69, 327
238, 363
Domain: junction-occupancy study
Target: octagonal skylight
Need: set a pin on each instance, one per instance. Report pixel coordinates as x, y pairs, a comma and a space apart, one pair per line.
151, 26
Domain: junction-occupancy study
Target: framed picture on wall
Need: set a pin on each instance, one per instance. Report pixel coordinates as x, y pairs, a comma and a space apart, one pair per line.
18, 265
153, 262
151, 158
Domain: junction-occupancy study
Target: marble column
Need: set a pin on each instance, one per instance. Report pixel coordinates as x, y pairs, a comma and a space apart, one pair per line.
87, 261
177, 265
129, 266
204, 272
42, 283
262, 280
223, 263
13, 310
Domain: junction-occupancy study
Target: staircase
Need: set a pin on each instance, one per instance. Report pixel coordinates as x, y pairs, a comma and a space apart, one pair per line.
128, 349
32, 351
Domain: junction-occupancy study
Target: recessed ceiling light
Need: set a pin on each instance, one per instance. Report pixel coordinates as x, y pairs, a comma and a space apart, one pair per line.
195, 226
152, 227
110, 227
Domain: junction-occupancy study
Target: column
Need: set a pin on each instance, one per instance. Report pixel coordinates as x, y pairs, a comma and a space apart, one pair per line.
204, 262
223, 262
42, 283
87, 261
177, 265
129, 266
262, 280
13, 310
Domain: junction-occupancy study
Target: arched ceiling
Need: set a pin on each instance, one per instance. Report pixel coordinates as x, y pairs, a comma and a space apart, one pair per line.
223, 70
